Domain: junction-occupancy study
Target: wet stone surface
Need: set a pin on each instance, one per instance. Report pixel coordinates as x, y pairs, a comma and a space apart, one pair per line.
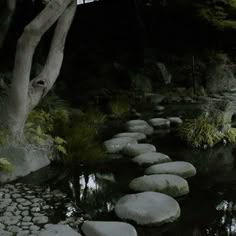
27, 210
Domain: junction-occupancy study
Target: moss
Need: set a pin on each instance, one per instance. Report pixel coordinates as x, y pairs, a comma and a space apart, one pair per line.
5, 165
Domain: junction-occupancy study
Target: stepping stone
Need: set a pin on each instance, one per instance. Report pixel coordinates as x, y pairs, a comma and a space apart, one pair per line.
136, 122
159, 108
102, 228
148, 208
144, 128
172, 185
180, 168
136, 136
175, 121
151, 158
159, 122
137, 149
59, 230
115, 145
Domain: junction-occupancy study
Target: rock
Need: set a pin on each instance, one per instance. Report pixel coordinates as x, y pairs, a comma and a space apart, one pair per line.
154, 98
96, 228
137, 149
171, 185
145, 129
59, 230
159, 122
175, 121
181, 168
136, 122
116, 145
159, 108
148, 208
24, 161
151, 158
136, 136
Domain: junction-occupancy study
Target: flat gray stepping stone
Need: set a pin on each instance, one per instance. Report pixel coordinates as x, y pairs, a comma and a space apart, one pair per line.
137, 149
59, 230
102, 228
181, 168
136, 122
144, 128
172, 185
159, 108
175, 121
148, 208
159, 122
136, 136
151, 158
116, 145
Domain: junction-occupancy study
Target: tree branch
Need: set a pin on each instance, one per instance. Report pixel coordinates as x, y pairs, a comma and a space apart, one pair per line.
6, 19
46, 79
26, 45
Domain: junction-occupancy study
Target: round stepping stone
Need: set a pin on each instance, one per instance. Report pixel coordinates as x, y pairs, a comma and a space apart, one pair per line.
159, 108
136, 122
159, 122
148, 208
175, 121
115, 145
59, 230
136, 136
145, 129
102, 228
172, 185
137, 149
151, 158
181, 168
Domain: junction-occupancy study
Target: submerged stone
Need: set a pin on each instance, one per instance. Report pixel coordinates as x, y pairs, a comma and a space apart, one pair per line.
148, 208
151, 158
181, 168
102, 228
171, 185
137, 149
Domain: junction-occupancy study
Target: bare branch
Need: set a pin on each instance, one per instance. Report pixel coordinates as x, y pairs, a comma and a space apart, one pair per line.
6, 19
46, 79
26, 45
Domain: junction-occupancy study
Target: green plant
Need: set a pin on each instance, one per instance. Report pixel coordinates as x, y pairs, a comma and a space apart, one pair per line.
230, 135
94, 116
200, 132
120, 105
5, 165
59, 145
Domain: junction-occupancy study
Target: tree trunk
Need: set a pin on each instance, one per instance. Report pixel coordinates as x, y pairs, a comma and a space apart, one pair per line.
5, 19
24, 94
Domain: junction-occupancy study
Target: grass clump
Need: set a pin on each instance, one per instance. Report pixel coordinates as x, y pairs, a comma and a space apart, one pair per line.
5, 165
120, 105
200, 132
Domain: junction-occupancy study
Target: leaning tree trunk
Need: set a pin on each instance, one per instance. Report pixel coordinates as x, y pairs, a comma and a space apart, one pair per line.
5, 19
24, 93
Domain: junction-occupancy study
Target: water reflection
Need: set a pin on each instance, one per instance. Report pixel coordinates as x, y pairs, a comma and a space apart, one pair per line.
94, 193
225, 222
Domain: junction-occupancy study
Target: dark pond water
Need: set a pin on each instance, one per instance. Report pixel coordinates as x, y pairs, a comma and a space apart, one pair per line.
208, 210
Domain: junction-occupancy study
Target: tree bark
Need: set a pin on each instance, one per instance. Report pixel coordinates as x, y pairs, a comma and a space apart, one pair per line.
24, 94
6, 20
